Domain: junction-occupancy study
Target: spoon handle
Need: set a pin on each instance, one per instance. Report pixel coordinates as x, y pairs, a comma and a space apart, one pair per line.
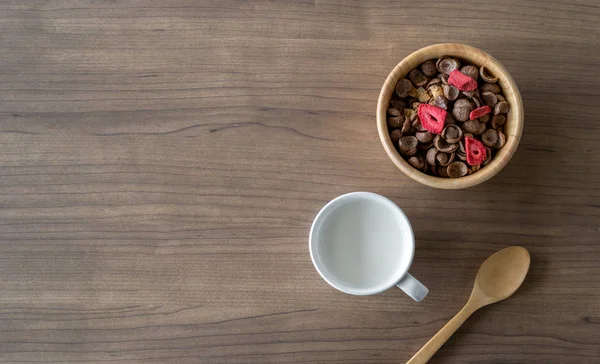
436, 342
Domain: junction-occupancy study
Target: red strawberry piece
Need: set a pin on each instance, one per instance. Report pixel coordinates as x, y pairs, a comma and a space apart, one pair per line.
432, 117
480, 111
462, 81
476, 151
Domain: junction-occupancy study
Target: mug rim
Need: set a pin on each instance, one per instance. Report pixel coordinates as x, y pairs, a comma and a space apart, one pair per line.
377, 288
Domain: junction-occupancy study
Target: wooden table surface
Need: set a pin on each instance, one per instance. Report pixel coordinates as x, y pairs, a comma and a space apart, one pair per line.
161, 163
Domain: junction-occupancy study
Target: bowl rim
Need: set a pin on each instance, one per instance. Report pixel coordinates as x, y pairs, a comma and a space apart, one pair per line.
457, 50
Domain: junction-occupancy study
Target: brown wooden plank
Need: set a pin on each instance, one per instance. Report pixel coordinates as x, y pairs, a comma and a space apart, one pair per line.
161, 163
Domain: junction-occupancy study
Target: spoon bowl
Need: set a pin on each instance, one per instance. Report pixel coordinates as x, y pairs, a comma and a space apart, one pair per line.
501, 275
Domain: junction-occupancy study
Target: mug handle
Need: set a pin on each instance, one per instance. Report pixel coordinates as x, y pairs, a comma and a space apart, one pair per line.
412, 287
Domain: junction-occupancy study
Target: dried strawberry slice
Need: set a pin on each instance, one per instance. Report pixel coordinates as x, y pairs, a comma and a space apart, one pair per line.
462, 81
476, 151
479, 112
432, 117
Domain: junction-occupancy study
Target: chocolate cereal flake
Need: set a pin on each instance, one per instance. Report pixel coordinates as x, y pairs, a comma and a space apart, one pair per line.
456, 169
448, 120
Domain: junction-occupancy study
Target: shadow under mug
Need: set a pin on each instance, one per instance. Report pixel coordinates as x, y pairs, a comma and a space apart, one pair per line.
362, 243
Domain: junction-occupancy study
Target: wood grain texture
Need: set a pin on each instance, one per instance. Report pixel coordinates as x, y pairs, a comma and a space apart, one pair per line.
161, 163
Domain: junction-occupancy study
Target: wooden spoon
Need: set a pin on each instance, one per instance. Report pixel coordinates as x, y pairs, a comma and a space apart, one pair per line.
498, 278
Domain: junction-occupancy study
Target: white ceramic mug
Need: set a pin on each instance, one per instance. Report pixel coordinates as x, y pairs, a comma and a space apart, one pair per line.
362, 243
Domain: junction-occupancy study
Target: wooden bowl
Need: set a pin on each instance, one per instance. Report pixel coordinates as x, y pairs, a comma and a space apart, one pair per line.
512, 128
